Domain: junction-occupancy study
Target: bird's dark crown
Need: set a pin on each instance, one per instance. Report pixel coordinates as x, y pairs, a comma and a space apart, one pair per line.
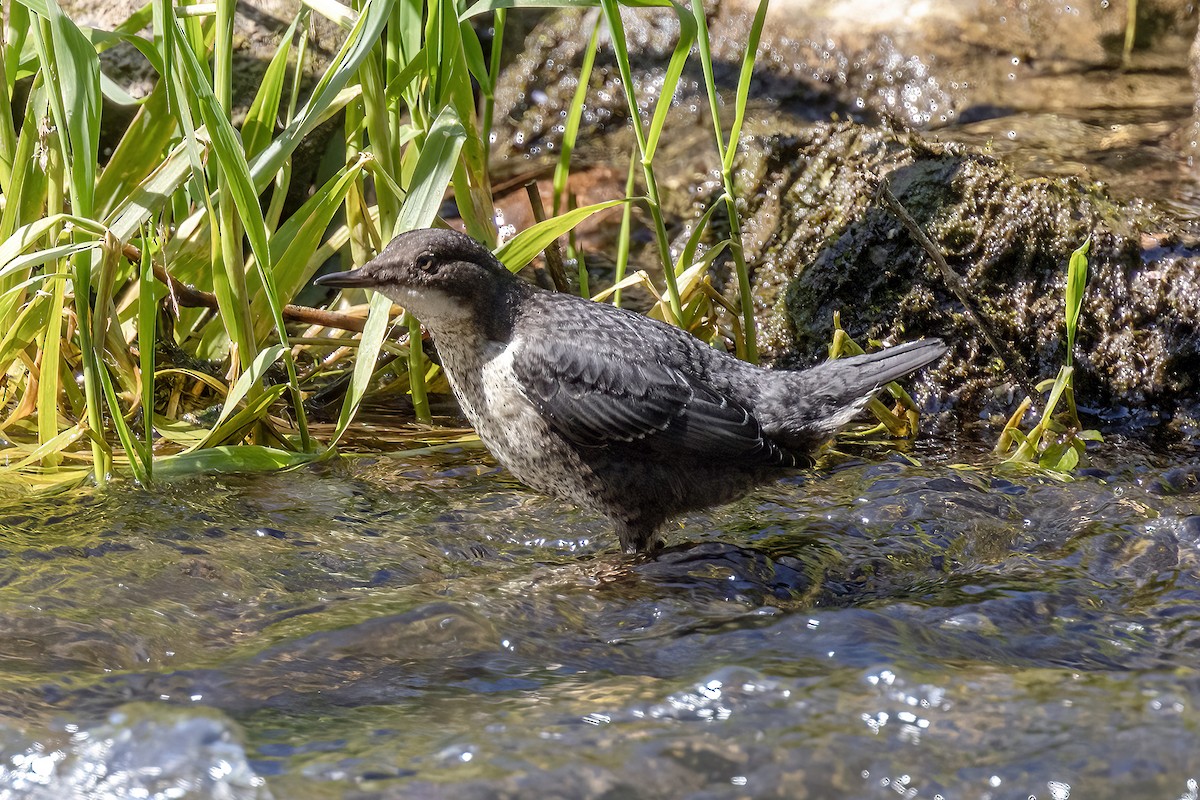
435, 258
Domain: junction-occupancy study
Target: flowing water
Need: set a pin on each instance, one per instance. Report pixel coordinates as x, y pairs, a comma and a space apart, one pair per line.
888, 625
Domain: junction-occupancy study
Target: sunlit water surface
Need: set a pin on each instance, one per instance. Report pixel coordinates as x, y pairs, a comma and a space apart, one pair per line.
886, 626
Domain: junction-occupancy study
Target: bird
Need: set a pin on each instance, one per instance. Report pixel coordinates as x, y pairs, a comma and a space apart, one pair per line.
632, 418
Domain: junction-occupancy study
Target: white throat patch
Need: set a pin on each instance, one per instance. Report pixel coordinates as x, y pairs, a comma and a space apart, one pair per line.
436, 309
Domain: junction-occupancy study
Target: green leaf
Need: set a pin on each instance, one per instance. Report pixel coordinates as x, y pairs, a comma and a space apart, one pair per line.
1051, 455
140, 151
50, 448
525, 246
259, 124
435, 167
364, 364
1067, 461
431, 176
78, 73
239, 423
152, 193
147, 323
24, 330
1076, 282
27, 235
743, 88
241, 389
228, 152
366, 32
574, 115
687, 37
138, 454
688, 255
226, 458
116, 94
297, 239
42, 257
473, 52
240, 183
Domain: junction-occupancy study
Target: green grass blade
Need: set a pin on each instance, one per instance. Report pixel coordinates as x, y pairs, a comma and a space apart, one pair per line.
71, 68
76, 103
743, 88
16, 28
242, 458
296, 241
526, 245
432, 174
473, 53
1076, 283
574, 115
28, 235
435, 167
51, 367
727, 151
259, 124
626, 231
22, 265
237, 177
683, 47
26, 191
362, 38
137, 459
29, 323
227, 150
146, 330
246, 419
688, 255
364, 364
48, 451
244, 385
499, 22
8, 133
153, 192
139, 151
616, 30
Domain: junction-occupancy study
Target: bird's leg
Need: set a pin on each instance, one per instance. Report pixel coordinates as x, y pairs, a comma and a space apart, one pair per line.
638, 536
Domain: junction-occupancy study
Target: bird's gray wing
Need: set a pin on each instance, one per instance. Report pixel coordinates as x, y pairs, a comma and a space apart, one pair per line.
596, 395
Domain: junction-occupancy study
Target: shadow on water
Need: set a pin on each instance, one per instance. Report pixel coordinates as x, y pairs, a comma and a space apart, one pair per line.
429, 628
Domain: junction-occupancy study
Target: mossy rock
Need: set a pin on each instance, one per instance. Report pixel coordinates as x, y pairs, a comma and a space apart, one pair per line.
820, 241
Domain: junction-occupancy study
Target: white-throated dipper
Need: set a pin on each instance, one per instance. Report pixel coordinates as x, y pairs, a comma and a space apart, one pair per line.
612, 410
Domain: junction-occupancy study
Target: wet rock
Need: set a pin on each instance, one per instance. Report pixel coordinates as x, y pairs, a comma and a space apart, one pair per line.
1184, 479
928, 66
804, 78
821, 242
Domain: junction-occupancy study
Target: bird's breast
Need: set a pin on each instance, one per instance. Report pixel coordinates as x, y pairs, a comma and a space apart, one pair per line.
513, 429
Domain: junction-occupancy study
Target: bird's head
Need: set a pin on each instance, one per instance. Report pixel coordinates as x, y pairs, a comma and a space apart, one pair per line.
442, 276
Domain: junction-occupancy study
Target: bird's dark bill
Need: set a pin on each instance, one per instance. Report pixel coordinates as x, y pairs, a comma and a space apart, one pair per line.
354, 279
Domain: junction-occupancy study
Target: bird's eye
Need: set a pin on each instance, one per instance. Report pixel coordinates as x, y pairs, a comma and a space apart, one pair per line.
425, 262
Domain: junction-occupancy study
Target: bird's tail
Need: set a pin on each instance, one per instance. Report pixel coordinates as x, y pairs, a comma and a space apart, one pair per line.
866, 373
835, 391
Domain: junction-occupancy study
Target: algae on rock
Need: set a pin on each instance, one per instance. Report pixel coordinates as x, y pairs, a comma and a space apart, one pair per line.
821, 241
